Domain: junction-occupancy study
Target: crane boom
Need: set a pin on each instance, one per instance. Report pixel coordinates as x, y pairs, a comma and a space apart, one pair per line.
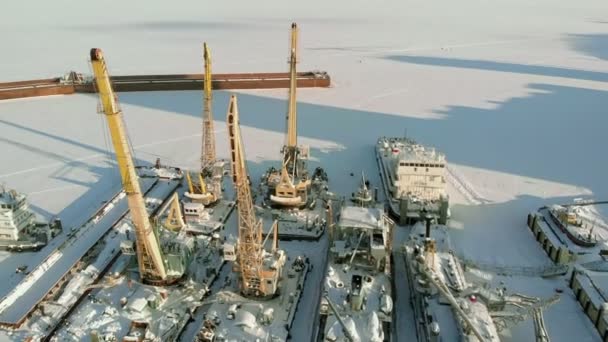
290, 150
149, 257
249, 252
292, 187
208, 150
292, 123
257, 280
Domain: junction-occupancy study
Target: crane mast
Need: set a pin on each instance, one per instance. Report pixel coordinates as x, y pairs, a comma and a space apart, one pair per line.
208, 147
209, 187
291, 184
149, 257
257, 279
290, 150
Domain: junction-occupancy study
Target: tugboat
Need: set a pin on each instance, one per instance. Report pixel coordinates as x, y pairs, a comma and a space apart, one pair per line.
357, 304
569, 222
413, 178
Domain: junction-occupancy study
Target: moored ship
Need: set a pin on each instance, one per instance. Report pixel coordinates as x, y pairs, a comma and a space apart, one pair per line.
358, 302
413, 178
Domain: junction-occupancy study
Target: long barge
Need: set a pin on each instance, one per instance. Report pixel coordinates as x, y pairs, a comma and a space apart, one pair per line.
74, 83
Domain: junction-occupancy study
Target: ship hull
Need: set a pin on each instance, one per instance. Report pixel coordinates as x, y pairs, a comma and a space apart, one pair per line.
577, 240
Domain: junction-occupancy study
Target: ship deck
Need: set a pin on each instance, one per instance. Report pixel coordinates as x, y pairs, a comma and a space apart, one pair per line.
25, 296
338, 286
246, 325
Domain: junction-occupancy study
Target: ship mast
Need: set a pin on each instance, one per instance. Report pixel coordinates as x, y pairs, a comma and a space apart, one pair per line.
250, 251
208, 147
149, 256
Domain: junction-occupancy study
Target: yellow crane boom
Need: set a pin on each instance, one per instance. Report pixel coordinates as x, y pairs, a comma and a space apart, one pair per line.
292, 124
291, 136
293, 185
208, 150
149, 257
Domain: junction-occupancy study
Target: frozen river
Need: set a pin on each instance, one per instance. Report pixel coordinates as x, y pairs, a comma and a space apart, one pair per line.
513, 92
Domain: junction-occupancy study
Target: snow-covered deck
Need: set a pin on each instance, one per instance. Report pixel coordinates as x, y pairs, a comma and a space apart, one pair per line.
19, 302
513, 92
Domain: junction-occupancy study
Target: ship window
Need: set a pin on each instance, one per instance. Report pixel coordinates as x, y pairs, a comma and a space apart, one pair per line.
427, 169
415, 169
401, 164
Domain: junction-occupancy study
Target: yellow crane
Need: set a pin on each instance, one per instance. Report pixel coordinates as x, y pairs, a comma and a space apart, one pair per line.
293, 185
174, 220
259, 270
291, 138
206, 192
208, 148
149, 256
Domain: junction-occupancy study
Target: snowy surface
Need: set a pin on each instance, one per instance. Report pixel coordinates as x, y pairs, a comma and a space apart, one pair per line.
513, 92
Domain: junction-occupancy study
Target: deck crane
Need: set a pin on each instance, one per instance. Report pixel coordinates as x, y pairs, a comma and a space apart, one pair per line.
152, 268
259, 270
293, 184
207, 192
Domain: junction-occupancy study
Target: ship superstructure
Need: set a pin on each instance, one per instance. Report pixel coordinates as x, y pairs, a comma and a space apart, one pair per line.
19, 229
414, 179
358, 300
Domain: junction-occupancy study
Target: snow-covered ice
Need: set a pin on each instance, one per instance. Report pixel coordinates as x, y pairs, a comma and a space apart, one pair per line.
514, 93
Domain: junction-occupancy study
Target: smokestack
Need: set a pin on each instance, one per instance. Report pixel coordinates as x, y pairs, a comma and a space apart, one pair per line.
428, 226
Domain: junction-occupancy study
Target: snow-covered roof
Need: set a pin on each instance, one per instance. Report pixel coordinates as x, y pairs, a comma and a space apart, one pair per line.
193, 205
139, 300
245, 318
409, 151
358, 217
